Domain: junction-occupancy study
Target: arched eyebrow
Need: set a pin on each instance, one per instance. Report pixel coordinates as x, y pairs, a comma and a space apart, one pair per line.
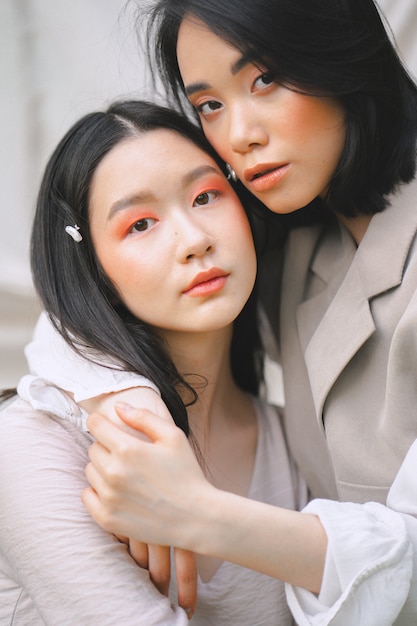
235, 68
198, 172
241, 62
148, 196
128, 201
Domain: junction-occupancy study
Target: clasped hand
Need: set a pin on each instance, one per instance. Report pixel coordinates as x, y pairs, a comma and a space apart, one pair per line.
146, 489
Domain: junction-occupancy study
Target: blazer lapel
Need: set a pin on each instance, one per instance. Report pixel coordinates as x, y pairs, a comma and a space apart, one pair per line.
345, 327
336, 322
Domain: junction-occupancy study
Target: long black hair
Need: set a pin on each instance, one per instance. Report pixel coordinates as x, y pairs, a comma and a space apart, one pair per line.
336, 48
82, 303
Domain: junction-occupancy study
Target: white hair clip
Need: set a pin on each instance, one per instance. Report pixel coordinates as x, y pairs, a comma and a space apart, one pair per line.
231, 174
74, 232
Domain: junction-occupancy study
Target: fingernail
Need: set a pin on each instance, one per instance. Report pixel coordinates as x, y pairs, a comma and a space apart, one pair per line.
124, 406
189, 612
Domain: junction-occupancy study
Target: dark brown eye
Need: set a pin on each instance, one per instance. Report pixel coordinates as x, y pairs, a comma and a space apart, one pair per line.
264, 80
206, 198
208, 107
142, 225
203, 198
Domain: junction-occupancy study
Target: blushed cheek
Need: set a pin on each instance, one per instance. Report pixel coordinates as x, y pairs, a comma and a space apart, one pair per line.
120, 272
315, 115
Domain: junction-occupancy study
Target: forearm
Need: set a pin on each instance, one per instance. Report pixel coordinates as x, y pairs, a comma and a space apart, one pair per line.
278, 542
338, 556
140, 489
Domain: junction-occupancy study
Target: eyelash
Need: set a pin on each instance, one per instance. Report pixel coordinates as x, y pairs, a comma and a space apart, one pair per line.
214, 192
210, 103
265, 74
211, 195
142, 220
214, 105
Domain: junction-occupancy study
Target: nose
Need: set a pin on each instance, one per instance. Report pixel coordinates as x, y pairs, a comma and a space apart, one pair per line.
194, 241
246, 129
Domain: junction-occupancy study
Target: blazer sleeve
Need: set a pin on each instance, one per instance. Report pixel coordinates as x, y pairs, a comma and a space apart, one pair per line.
71, 570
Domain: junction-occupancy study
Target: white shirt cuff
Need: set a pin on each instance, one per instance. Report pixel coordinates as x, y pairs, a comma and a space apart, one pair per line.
368, 567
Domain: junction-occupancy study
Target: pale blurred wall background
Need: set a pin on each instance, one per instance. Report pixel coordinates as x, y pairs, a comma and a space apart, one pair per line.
58, 60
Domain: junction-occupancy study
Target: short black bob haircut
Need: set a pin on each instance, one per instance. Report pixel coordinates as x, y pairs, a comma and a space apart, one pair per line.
82, 303
336, 48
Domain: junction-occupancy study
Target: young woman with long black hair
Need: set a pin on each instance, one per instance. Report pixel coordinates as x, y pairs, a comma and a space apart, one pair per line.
133, 260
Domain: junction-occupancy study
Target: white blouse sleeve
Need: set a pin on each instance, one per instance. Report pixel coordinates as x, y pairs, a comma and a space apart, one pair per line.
370, 574
50, 358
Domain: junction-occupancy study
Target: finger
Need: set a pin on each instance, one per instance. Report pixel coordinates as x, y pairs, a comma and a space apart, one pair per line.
91, 502
96, 480
106, 501
108, 471
160, 567
139, 552
122, 539
100, 515
150, 424
99, 455
108, 434
144, 398
187, 578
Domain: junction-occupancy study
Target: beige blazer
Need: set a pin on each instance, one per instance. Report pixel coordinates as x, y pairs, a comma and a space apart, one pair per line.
348, 349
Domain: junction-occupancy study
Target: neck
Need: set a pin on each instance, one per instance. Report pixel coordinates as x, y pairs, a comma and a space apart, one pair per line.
356, 226
203, 359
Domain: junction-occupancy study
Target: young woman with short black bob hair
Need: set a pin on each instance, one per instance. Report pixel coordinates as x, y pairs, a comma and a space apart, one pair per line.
332, 48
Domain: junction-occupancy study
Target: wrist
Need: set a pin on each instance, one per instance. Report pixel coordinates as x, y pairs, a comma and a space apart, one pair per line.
278, 542
213, 523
